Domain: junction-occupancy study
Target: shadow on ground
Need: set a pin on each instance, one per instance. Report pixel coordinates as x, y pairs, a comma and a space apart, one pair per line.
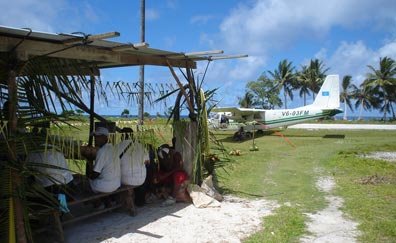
118, 223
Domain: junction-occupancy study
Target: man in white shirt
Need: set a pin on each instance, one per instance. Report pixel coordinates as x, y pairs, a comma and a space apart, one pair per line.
105, 176
134, 158
51, 178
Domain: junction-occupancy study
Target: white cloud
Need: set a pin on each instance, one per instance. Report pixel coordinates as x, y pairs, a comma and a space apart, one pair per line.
352, 58
269, 24
49, 16
37, 15
231, 76
232, 72
389, 50
245, 67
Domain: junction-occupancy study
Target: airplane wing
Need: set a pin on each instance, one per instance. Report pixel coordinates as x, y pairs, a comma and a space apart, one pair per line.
242, 114
237, 110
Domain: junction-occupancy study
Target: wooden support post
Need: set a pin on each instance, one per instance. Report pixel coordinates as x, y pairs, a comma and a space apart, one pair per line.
15, 176
91, 110
89, 164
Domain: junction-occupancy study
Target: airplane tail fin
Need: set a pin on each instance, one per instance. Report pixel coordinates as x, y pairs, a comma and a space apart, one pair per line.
329, 93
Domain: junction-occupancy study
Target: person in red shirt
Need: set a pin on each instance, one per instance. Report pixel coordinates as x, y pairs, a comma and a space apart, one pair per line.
172, 179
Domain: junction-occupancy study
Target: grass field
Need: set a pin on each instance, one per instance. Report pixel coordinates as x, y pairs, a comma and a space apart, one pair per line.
287, 165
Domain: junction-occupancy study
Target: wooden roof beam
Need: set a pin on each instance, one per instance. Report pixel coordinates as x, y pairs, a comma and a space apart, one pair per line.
200, 53
130, 46
90, 38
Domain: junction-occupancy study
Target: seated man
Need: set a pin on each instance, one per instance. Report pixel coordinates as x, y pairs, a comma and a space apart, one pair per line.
134, 158
54, 174
105, 176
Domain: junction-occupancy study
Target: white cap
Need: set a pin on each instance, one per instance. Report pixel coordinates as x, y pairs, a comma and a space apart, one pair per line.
101, 131
162, 151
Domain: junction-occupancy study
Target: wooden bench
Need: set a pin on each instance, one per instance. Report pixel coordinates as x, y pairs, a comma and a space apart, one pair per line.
124, 197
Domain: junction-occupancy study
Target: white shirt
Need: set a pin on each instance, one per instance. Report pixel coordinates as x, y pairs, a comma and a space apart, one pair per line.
133, 169
51, 176
107, 163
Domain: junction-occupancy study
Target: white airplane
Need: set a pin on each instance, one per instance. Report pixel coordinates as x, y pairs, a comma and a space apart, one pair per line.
326, 103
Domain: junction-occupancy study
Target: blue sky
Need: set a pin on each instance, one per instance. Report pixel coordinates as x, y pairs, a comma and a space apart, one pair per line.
347, 35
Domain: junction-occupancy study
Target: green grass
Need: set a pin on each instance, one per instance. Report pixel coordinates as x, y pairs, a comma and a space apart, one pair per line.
286, 168
286, 225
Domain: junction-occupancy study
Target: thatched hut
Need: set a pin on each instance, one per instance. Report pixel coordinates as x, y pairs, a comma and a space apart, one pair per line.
40, 72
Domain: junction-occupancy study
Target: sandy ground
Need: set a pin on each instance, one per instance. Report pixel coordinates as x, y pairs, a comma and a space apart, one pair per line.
234, 220
330, 225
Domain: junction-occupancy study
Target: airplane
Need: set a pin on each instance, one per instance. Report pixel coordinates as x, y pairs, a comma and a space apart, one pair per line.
326, 103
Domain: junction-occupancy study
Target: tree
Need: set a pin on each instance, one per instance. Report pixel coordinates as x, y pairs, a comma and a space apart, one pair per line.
303, 83
346, 95
284, 77
310, 79
79, 112
364, 98
384, 79
125, 113
265, 91
146, 115
317, 74
68, 113
247, 101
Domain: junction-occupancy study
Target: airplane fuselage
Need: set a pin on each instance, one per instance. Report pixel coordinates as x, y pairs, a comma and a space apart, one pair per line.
267, 119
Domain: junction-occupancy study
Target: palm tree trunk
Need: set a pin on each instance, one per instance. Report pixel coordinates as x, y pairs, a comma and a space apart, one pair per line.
345, 110
385, 111
285, 96
305, 99
393, 112
361, 110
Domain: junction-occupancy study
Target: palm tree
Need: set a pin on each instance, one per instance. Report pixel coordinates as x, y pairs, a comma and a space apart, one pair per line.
247, 101
317, 74
364, 98
346, 95
384, 79
303, 83
284, 76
